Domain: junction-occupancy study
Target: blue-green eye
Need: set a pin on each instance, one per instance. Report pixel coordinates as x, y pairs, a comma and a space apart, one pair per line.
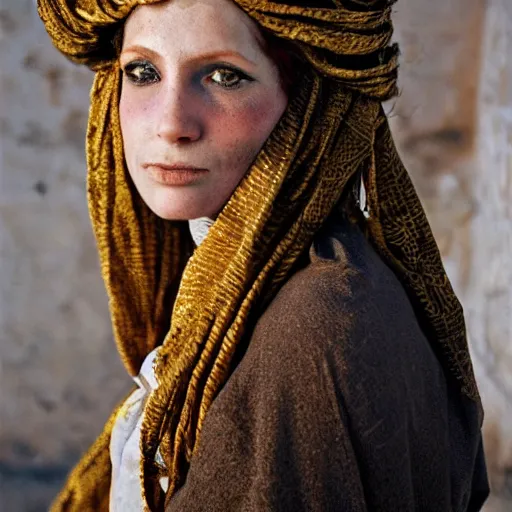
141, 73
229, 78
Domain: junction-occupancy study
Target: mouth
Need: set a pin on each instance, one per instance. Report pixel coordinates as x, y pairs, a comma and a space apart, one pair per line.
178, 166
178, 174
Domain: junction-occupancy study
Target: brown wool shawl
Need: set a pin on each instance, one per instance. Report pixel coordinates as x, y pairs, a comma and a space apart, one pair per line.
199, 305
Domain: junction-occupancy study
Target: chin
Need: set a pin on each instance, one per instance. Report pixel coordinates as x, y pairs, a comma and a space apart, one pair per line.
182, 208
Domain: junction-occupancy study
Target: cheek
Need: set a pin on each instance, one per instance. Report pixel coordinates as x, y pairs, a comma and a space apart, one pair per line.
133, 118
263, 115
240, 137
136, 109
127, 110
127, 115
250, 126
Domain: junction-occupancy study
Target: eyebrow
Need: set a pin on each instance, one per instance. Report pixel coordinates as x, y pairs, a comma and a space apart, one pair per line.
196, 58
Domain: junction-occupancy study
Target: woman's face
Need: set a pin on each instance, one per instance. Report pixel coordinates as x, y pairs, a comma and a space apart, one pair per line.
197, 90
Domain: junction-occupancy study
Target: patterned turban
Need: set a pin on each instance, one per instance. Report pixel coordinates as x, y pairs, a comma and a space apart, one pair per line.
199, 305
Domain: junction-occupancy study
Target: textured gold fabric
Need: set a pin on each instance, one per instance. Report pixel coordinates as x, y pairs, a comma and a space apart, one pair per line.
333, 128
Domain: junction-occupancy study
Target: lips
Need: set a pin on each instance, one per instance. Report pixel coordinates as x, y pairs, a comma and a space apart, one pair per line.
178, 166
177, 174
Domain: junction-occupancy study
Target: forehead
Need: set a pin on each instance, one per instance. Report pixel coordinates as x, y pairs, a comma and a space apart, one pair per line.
190, 26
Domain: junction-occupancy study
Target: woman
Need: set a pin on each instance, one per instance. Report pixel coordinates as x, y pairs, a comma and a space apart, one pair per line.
297, 346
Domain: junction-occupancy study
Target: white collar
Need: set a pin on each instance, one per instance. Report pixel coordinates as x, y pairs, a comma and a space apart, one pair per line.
199, 228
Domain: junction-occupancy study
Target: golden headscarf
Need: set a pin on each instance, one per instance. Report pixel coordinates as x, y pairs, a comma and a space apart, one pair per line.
334, 127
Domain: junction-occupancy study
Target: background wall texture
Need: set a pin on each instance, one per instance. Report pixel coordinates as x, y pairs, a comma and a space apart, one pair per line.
60, 374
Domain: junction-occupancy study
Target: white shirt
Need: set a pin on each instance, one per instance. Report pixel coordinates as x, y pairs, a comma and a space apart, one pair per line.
125, 455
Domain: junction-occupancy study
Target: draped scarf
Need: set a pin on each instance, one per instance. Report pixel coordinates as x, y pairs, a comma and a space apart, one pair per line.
199, 305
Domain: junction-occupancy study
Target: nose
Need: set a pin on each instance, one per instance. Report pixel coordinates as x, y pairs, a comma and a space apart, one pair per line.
179, 119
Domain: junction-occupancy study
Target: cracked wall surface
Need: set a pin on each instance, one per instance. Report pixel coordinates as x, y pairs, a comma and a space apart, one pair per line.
60, 373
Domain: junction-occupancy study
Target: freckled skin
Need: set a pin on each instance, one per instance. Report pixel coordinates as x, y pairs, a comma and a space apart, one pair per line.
187, 115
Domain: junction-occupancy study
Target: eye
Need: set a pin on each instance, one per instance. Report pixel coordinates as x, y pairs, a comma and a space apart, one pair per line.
228, 77
141, 73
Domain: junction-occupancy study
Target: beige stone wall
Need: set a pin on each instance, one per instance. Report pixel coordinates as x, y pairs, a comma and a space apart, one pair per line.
453, 125
60, 374
488, 297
